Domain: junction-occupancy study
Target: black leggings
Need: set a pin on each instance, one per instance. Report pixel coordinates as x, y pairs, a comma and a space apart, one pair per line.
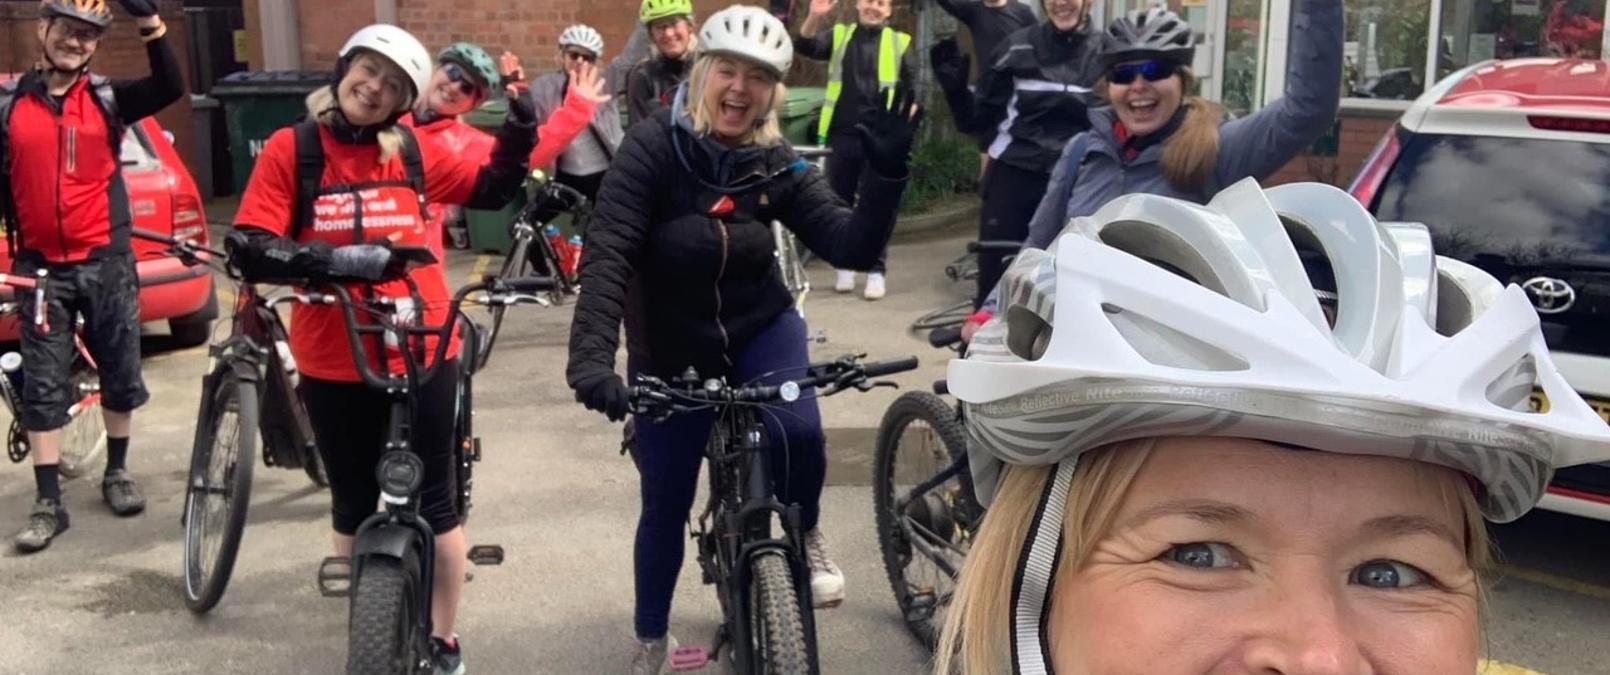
845, 166
349, 423
1010, 196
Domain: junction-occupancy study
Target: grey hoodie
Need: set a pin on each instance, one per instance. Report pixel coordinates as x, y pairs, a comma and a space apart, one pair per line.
593, 149
1256, 145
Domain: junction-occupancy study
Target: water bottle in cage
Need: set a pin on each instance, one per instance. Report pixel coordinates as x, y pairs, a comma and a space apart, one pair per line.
402, 315
573, 255
11, 365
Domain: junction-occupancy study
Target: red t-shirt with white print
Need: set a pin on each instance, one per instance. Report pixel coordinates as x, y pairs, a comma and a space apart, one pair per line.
318, 333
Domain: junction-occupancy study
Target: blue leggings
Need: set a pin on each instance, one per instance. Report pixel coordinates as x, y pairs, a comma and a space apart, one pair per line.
670, 454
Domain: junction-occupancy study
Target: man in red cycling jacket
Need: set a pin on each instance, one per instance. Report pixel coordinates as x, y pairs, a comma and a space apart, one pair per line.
66, 210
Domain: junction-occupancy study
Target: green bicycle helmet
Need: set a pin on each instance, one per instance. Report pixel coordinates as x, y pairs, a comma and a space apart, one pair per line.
476, 59
660, 9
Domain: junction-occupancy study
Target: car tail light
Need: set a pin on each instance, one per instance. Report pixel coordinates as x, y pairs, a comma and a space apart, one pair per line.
1369, 180
189, 221
1552, 123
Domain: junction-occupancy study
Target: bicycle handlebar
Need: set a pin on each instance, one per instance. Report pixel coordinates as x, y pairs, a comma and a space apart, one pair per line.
655, 397
945, 337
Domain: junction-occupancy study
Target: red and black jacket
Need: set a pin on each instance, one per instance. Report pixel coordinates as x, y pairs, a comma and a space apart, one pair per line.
62, 194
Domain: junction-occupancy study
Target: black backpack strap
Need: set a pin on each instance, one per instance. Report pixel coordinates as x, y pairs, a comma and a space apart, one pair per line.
106, 97
309, 173
414, 164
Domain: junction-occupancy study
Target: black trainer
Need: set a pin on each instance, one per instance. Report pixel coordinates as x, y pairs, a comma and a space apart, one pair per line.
47, 519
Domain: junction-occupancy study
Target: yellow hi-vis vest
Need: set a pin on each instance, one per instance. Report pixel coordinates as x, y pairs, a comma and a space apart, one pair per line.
892, 45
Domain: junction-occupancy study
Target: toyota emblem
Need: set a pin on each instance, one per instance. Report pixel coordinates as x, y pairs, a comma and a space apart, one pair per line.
1549, 295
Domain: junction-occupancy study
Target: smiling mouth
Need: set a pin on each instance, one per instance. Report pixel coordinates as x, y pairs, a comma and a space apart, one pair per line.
734, 110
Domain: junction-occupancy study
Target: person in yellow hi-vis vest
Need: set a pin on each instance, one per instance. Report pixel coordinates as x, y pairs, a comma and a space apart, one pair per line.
866, 60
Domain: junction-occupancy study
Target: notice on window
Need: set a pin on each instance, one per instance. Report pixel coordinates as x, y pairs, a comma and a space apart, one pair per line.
1525, 7
1483, 46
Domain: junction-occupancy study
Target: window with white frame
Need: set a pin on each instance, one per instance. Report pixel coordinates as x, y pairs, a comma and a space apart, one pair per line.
1385, 48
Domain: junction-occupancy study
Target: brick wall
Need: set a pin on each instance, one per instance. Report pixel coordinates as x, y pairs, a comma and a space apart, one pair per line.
121, 55
1361, 130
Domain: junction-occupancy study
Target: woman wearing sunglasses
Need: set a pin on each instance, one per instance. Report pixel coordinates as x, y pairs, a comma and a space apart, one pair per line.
1158, 138
583, 162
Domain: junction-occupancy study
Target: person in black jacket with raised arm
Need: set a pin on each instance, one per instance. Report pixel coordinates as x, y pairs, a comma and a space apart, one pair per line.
685, 210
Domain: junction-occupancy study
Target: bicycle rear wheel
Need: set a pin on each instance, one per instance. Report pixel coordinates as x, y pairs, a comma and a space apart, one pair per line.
776, 627
84, 437
220, 489
382, 629
948, 316
924, 538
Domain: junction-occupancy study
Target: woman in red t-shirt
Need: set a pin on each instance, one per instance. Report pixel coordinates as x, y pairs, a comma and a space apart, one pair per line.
365, 204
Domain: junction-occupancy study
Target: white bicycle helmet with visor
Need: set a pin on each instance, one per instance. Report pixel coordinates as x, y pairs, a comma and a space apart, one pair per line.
1156, 317
750, 33
583, 36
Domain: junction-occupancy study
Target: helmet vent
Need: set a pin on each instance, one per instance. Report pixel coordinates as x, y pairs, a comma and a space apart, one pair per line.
1165, 346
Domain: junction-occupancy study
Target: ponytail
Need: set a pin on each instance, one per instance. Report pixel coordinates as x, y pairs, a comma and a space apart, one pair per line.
1191, 155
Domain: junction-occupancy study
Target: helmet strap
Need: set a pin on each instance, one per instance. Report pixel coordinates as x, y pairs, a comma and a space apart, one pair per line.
1035, 577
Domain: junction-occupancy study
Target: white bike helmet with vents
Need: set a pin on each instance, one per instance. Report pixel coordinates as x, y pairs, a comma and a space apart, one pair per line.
749, 33
584, 36
398, 46
1157, 317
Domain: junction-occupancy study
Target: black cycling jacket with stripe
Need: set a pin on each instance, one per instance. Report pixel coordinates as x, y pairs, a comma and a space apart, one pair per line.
1036, 94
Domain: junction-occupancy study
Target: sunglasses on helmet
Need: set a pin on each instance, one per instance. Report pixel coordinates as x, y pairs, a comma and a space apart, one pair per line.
1153, 71
467, 84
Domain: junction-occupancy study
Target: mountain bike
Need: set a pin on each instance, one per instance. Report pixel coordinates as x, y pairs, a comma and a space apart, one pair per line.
761, 577
248, 394
530, 252
84, 437
791, 256
391, 572
923, 500
961, 270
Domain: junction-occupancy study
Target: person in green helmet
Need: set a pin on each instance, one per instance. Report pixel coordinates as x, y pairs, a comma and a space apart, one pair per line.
652, 83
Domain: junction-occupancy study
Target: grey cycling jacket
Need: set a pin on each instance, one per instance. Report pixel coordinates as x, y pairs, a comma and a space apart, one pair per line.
1092, 172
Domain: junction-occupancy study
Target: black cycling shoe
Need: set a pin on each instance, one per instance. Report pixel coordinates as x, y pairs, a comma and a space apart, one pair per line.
122, 494
47, 520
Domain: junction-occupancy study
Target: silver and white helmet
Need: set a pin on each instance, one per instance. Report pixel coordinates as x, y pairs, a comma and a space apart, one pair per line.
1157, 317
583, 36
750, 33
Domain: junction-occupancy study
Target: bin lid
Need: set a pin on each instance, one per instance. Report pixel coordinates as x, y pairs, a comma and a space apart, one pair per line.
258, 82
803, 101
490, 116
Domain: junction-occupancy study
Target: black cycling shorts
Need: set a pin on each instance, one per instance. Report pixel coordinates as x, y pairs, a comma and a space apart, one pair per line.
106, 293
349, 424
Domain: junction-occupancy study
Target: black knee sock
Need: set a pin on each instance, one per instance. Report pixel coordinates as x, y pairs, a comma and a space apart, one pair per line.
49, 482
117, 454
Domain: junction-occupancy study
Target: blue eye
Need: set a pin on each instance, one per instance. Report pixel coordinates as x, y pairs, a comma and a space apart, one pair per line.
1387, 574
1203, 555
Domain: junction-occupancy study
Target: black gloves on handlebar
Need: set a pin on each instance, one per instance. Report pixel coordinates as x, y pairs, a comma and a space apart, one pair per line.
370, 262
604, 392
262, 255
889, 135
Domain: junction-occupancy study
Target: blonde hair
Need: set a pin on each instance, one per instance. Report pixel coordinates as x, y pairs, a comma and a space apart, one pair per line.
322, 108
977, 640
767, 134
1191, 155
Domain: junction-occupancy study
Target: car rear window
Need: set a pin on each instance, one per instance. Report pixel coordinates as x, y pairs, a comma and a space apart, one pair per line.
1528, 200
134, 152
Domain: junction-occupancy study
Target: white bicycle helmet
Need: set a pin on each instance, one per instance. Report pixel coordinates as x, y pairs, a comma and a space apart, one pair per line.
1156, 317
397, 45
584, 36
749, 33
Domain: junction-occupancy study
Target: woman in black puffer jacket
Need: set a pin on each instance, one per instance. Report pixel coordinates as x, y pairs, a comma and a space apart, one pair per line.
684, 213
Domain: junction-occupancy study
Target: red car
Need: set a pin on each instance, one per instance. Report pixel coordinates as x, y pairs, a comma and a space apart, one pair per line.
1508, 163
164, 199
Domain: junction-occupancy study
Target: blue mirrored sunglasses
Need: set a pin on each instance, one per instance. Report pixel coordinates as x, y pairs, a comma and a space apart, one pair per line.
1153, 71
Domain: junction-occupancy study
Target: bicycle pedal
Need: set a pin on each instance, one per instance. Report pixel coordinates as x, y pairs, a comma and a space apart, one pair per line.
690, 658
486, 554
335, 577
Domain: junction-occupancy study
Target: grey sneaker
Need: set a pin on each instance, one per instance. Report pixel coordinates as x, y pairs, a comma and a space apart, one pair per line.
448, 660
47, 519
122, 494
653, 657
827, 582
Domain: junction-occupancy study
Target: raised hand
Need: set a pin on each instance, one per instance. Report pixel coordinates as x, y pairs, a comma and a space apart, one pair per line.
513, 74
589, 85
821, 7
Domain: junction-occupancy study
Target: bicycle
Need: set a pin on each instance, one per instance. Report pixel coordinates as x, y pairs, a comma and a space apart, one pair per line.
527, 247
389, 577
84, 436
247, 395
960, 270
791, 256
923, 501
761, 579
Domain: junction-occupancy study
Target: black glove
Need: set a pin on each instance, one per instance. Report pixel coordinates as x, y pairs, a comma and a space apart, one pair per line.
522, 111
887, 137
370, 262
139, 9
950, 64
605, 393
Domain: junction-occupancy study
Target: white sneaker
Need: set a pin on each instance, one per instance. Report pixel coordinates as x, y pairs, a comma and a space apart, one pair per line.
460, 237
827, 582
653, 657
846, 281
874, 287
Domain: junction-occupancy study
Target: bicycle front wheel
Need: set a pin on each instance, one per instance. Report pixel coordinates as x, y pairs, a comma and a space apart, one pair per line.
382, 629
84, 437
219, 490
776, 627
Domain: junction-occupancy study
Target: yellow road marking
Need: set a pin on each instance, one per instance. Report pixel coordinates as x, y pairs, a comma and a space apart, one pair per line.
479, 269
1497, 668
1555, 582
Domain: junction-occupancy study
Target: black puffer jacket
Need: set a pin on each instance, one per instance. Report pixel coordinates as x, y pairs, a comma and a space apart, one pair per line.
709, 282
1036, 94
650, 85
